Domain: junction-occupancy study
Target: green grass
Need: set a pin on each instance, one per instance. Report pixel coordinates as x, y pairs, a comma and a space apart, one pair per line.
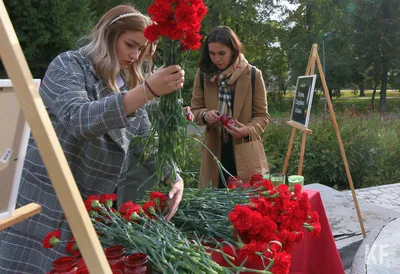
368, 94
356, 94
360, 104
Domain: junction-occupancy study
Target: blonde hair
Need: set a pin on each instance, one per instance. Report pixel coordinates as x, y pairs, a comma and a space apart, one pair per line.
101, 49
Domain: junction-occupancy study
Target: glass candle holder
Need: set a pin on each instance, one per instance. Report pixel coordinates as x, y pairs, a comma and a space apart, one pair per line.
80, 263
82, 270
266, 176
115, 256
64, 265
295, 179
277, 179
137, 263
234, 182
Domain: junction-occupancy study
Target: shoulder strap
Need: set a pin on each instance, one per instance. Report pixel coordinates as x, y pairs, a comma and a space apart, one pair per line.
253, 78
202, 80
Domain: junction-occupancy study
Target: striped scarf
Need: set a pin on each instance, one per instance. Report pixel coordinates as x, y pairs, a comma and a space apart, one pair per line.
225, 79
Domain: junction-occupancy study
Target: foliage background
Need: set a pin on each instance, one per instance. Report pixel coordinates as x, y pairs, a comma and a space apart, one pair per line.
361, 54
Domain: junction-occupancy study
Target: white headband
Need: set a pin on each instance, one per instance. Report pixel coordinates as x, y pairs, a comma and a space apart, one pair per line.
122, 16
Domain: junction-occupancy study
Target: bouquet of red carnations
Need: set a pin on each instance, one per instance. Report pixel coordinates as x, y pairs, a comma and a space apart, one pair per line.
176, 27
261, 224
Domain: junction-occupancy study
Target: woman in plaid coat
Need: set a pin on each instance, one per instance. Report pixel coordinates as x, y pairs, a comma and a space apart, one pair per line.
95, 97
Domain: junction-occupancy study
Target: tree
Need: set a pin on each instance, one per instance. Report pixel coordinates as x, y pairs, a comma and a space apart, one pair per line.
249, 20
306, 26
101, 7
376, 35
47, 28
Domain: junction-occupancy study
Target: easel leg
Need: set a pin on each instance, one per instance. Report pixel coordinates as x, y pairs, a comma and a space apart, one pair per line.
303, 149
339, 138
289, 150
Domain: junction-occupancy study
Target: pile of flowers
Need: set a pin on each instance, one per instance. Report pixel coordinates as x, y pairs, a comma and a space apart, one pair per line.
142, 228
249, 230
271, 224
259, 224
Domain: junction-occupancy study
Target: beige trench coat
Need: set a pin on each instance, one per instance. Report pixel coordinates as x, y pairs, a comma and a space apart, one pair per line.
247, 109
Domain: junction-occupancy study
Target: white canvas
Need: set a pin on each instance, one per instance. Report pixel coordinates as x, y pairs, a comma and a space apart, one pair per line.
14, 136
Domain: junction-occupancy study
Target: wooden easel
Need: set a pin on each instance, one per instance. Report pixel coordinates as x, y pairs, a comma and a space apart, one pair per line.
50, 150
314, 58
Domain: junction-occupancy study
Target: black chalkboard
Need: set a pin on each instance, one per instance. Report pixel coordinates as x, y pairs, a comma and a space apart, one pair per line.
303, 100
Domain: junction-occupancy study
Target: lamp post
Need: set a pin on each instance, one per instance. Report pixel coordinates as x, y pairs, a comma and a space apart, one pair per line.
323, 61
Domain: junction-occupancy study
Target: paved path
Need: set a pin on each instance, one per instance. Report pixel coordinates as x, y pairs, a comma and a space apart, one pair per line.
387, 196
378, 205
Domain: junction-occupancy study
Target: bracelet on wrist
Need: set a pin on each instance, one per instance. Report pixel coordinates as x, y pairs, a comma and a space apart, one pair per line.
203, 117
150, 89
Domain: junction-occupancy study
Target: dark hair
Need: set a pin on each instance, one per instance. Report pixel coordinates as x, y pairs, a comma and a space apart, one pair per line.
225, 36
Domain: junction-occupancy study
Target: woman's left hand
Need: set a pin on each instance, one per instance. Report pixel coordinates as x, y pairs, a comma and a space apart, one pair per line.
189, 114
174, 198
237, 131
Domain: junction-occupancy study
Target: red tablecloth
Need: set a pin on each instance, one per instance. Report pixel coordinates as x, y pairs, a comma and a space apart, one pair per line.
313, 255
317, 255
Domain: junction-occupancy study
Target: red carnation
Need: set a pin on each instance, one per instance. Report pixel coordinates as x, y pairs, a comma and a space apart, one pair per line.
152, 32
267, 184
133, 212
160, 11
257, 223
249, 252
92, 203
108, 199
201, 10
73, 248
124, 207
184, 17
284, 192
159, 198
314, 217
317, 229
297, 190
51, 239
304, 203
191, 41
150, 208
241, 217
281, 263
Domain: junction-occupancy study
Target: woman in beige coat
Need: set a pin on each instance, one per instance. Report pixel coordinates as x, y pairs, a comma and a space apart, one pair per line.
223, 85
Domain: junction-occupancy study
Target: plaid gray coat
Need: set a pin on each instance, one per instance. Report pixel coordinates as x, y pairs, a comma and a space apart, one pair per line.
94, 133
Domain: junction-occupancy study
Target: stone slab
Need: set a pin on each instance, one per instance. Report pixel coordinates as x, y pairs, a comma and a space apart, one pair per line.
342, 215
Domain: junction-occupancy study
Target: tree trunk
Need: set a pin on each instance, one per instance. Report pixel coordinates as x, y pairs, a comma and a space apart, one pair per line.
362, 90
382, 101
330, 93
308, 17
373, 96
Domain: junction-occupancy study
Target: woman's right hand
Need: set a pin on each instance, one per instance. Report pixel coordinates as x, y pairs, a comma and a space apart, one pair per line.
211, 116
166, 80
